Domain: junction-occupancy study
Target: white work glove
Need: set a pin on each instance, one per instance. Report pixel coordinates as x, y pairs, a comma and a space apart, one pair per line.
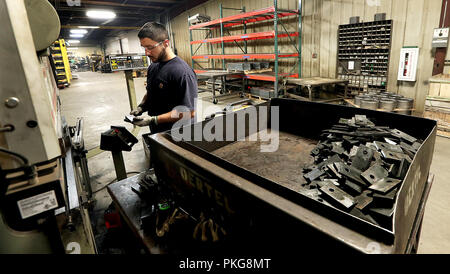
136, 112
145, 121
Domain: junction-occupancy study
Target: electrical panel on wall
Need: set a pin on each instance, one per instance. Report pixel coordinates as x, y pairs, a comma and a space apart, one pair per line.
440, 38
407, 69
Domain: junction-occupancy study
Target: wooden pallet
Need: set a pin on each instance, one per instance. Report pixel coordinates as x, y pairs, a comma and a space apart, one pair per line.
442, 116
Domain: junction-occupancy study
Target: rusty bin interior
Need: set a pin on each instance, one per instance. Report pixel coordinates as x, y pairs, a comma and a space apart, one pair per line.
280, 171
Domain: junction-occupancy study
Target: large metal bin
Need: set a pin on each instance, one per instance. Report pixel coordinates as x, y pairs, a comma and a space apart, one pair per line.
266, 212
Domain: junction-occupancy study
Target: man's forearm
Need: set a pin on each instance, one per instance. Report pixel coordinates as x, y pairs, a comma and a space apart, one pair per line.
173, 116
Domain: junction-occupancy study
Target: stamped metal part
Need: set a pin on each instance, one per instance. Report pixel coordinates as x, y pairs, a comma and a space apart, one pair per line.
333, 171
359, 214
363, 200
314, 174
416, 145
363, 158
385, 185
349, 142
353, 151
389, 141
407, 147
394, 157
402, 169
314, 194
338, 195
350, 172
389, 147
384, 212
400, 134
374, 174
337, 148
385, 200
354, 187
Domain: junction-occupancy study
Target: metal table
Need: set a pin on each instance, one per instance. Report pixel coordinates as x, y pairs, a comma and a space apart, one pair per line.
213, 75
129, 205
310, 83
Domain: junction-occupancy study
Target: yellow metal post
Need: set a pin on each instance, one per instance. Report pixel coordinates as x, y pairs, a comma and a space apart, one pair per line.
63, 48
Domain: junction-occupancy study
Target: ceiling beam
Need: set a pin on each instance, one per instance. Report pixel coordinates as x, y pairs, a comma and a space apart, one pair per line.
96, 24
160, 2
100, 27
102, 3
83, 9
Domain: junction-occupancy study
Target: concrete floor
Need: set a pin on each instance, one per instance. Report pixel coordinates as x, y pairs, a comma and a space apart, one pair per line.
101, 99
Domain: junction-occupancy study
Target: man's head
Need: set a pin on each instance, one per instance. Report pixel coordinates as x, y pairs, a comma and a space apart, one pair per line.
155, 39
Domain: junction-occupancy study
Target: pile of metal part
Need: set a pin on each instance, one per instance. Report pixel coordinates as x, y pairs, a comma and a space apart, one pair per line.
244, 66
359, 168
386, 101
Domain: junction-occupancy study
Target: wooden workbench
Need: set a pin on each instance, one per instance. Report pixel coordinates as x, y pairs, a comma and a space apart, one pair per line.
313, 82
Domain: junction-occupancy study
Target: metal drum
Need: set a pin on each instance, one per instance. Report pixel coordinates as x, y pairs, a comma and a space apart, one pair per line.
395, 96
359, 98
388, 105
369, 104
405, 105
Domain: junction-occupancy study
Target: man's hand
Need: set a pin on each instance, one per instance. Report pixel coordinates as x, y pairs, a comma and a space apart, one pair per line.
137, 112
145, 121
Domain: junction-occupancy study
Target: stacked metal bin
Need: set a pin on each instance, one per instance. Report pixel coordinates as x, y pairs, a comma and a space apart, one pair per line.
386, 101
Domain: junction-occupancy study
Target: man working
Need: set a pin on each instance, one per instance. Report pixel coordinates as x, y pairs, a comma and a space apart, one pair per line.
171, 83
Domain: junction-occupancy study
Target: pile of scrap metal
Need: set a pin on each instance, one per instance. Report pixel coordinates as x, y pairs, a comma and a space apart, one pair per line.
359, 168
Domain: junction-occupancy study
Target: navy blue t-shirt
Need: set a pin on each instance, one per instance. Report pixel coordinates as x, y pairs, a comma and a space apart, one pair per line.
170, 84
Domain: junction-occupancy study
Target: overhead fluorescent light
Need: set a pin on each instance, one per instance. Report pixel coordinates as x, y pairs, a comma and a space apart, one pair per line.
73, 41
100, 14
76, 35
80, 31
88, 27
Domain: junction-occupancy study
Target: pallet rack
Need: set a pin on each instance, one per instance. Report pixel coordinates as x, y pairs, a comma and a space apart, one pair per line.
249, 19
365, 48
61, 63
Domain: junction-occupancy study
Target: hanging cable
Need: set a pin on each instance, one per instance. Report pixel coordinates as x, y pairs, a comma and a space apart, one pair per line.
112, 181
17, 155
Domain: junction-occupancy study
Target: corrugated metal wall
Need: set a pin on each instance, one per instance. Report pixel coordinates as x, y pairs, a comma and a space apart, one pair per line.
413, 22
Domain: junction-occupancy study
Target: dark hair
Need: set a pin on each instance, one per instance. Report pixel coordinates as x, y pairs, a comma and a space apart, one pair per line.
153, 30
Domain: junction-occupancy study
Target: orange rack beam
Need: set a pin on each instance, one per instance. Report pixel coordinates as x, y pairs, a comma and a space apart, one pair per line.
246, 37
246, 56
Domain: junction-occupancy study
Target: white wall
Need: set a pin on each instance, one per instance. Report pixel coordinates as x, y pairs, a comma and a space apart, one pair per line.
130, 43
112, 45
84, 51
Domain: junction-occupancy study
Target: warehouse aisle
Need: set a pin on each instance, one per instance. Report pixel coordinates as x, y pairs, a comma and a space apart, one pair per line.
102, 100
435, 237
